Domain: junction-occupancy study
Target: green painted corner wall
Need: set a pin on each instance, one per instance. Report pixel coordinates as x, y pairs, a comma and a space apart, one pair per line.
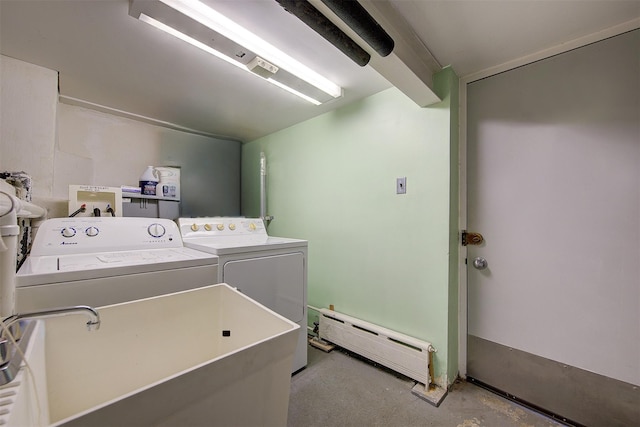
448, 82
373, 254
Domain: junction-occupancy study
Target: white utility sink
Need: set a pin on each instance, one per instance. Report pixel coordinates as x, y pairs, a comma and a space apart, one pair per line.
209, 356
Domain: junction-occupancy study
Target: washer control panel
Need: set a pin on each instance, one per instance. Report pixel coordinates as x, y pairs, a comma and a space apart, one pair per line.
221, 226
59, 236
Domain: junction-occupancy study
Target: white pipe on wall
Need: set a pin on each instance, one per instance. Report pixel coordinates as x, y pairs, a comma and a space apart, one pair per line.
29, 210
23, 209
10, 209
263, 190
9, 231
263, 185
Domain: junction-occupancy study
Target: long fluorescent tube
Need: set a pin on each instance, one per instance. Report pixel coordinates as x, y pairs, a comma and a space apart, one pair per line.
170, 30
203, 14
295, 92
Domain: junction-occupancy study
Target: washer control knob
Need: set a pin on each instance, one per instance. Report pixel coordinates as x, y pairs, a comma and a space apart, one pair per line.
156, 230
220, 227
232, 226
252, 226
68, 232
194, 227
92, 231
207, 227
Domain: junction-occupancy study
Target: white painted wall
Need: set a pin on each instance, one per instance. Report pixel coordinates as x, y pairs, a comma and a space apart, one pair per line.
59, 145
102, 149
28, 99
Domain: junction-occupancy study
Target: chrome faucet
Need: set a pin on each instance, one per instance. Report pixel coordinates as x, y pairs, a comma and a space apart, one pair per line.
92, 324
12, 335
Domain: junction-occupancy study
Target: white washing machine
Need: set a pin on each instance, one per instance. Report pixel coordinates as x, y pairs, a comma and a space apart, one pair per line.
270, 270
108, 260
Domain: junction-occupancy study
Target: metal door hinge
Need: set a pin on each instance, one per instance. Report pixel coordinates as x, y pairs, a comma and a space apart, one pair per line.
469, 238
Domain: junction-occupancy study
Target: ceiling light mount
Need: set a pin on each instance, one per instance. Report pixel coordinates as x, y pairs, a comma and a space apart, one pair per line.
262, 68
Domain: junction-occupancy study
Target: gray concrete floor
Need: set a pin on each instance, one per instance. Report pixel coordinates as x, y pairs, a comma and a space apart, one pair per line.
339, 389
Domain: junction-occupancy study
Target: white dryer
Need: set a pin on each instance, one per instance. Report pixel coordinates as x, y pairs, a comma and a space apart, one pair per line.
270, 270
108, 260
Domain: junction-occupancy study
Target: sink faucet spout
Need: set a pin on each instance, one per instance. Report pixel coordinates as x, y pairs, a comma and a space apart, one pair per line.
92, 324
11, 334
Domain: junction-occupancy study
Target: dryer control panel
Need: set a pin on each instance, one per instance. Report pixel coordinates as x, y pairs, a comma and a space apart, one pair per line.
221, 226
77, 235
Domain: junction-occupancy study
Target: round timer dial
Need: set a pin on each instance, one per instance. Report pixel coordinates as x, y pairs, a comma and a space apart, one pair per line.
156, 230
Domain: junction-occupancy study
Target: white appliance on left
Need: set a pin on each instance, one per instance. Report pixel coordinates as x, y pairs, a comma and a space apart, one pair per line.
10, 209
108, 260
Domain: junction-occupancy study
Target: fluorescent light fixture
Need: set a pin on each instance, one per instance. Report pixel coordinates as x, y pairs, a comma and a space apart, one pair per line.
222, 25
170, 30
295, 92
205, 15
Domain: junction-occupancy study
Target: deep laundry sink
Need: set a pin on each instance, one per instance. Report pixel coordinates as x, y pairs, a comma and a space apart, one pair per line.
209, 356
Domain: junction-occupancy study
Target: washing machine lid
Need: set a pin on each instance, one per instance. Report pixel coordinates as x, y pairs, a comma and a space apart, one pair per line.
228, 246
231, 235
49, 269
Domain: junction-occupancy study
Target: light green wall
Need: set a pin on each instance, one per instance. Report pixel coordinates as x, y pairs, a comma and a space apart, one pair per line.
447, 79
373, 254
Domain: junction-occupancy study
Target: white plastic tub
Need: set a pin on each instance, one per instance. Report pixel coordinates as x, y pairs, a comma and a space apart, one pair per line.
166, 361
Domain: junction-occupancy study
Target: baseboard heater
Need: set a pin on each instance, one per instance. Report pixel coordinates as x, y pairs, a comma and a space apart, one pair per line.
401, 353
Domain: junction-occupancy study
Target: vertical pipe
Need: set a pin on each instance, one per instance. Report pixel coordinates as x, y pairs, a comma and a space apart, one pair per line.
263, 187
9, 231
8, 275
10, 209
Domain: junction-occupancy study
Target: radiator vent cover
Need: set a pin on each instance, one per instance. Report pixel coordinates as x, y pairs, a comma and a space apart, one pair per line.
402, 353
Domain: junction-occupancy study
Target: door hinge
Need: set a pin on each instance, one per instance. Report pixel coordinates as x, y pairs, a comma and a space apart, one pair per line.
469, 238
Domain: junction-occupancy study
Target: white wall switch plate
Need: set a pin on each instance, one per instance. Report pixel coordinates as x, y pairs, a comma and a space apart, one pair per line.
401, 185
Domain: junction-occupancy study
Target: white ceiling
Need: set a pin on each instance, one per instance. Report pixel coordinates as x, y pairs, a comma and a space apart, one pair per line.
108, 58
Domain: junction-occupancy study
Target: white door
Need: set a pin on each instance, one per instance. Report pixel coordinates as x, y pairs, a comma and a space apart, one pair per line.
554, 188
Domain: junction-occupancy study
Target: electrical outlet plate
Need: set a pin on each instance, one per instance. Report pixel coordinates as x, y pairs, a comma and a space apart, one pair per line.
401, 185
